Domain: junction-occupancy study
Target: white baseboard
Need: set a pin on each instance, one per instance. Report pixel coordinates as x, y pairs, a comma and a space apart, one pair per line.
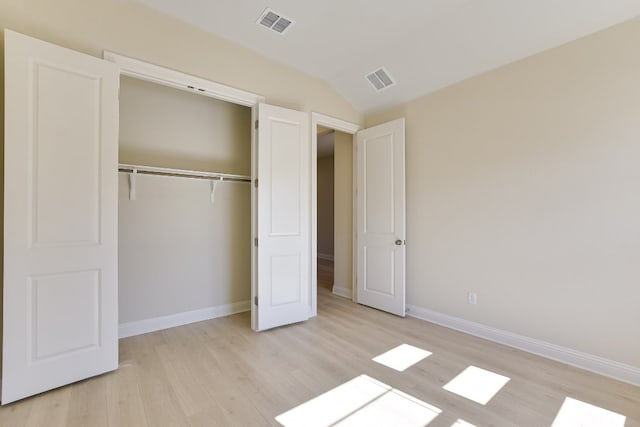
157, 323
326, 257
341, 292
599, 365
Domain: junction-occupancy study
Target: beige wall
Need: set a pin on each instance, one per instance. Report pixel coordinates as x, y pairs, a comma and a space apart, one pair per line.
522, 186
167, 127
177, 252
343, 212
325, 205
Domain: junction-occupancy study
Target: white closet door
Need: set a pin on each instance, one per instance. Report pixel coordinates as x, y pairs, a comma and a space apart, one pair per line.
60, 224
284, 202
380, 217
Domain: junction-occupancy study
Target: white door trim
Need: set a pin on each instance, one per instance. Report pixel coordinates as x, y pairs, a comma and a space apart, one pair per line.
157, 74
348, 128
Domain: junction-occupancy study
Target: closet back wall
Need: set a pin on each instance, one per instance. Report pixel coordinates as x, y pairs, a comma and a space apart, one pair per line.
178, 251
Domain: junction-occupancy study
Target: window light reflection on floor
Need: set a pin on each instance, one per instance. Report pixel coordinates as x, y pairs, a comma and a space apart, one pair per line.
402, 357
362, 401
576, 413
462, 423
477, 384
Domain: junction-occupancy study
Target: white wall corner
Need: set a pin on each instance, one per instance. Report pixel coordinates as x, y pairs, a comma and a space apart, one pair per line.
140, 327
341, 291
599, 365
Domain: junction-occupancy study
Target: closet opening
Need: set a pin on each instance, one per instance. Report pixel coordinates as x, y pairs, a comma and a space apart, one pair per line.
184, 207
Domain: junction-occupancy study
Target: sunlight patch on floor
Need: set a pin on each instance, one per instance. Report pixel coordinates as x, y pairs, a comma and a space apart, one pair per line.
462, 423
477, 384
402, 357
576, 413
362, 401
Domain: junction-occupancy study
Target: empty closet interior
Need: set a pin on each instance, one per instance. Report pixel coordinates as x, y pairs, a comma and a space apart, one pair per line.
184, 241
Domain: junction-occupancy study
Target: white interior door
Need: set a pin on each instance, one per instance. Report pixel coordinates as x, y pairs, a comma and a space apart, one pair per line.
380, 215
60, 224
284, 207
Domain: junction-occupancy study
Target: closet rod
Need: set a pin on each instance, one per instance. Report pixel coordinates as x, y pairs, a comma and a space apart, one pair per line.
152, 170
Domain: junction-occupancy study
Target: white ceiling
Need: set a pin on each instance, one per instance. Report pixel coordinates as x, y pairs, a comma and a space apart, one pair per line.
424, 44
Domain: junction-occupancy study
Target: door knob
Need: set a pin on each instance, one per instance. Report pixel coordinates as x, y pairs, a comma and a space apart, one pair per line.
398, 242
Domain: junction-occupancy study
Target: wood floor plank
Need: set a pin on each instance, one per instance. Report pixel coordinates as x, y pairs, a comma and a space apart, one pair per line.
124, 400
89, 405
51, 408
17, 413
159, 400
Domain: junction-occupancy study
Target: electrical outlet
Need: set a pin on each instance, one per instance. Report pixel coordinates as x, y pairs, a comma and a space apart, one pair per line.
472, 297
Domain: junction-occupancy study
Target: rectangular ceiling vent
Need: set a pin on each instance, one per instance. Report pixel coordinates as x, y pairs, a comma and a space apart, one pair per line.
274, 21
380, 79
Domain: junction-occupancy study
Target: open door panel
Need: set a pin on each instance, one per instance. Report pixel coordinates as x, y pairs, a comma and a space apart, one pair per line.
380, 213
60, 224
284, 203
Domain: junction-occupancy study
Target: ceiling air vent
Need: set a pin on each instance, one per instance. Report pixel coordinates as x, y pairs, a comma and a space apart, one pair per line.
380, 79
274, 21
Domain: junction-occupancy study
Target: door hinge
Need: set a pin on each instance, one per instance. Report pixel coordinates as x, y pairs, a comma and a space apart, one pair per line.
255, 300
257, 123
255, 241
255, 182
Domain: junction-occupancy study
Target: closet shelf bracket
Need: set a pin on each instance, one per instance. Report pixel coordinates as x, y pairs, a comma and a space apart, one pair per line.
132, 184
214, 186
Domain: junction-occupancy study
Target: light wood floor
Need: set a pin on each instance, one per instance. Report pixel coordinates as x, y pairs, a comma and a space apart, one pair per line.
219, 372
